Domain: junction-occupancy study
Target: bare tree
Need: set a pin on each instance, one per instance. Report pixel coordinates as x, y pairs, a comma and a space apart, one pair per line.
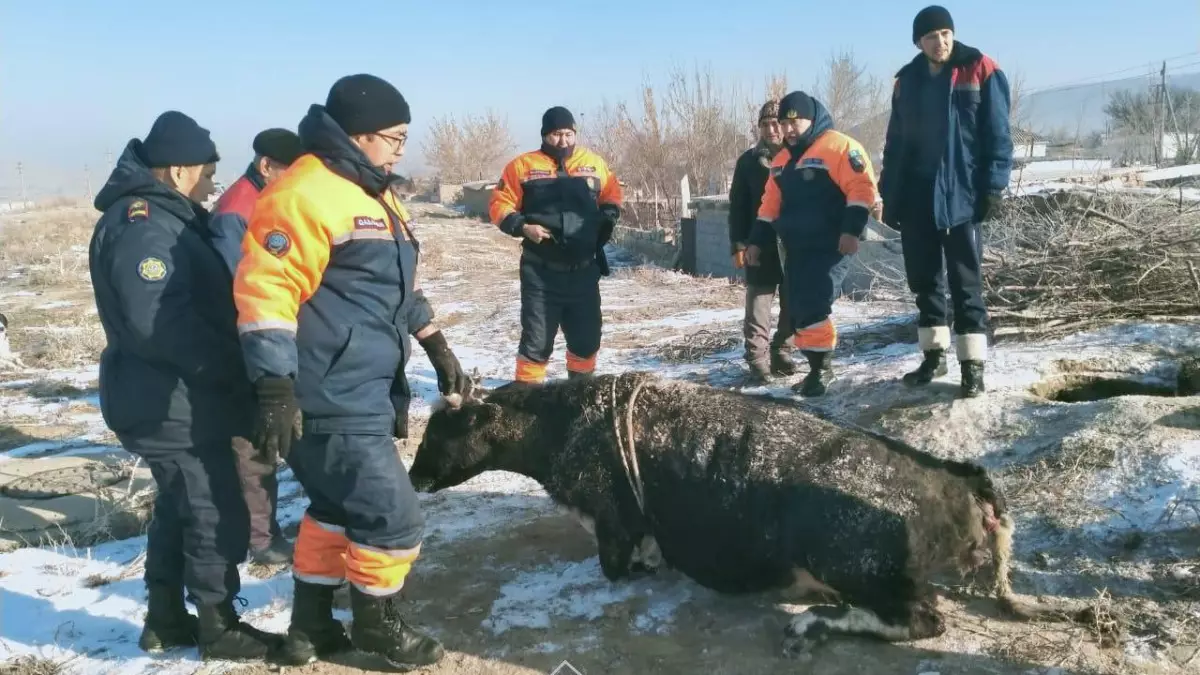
858, 102
472, 149
695, 129
1018, 116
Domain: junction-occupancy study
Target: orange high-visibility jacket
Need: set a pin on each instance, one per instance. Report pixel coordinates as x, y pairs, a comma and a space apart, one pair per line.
323, 290
570, 200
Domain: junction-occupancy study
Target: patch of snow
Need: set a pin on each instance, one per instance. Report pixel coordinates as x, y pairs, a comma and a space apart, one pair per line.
21, 294
573, 590
57, 304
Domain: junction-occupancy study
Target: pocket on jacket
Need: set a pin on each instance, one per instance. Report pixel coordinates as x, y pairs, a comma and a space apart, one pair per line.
365, 355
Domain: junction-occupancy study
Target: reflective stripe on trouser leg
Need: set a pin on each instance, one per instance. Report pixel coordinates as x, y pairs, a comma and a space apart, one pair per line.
529, 371
819, 337
580, 364
320, 553
933, 337
377, 571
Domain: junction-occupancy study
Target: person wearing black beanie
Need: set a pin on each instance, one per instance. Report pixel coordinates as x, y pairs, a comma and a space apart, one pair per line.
275, 150
563, 202
174, 385
328, 305
946, 163
814, 209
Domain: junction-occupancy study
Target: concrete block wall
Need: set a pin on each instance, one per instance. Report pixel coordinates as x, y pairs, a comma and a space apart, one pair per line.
713, 256
658, 246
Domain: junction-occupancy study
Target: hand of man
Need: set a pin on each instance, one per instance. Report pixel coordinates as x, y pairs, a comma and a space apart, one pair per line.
877, 211
991, 206
739, 259
752, 252
536, 233
278, 421
451, 378
848, 244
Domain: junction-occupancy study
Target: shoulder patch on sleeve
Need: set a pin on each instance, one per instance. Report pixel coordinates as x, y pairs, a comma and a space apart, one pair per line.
857, 161
152, 269
277, 243
138, 210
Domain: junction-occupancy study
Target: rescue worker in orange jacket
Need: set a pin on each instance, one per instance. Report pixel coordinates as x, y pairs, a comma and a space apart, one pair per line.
565, 202
818, 199
327, 297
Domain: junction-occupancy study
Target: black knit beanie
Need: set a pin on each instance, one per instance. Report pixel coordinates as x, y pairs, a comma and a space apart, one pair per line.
933, 17
365, 104
797, 105
177, 140
557, 118
281, 145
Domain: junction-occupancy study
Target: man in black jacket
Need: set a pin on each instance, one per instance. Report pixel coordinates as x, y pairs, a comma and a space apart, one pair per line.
749, 181
172, 385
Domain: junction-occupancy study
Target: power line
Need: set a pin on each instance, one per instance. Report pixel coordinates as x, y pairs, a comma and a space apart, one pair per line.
1089, 80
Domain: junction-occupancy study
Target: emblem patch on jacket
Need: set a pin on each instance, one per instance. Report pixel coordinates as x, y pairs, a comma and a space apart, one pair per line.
369, 223
277, 243
857, 161
152, 269
138, 210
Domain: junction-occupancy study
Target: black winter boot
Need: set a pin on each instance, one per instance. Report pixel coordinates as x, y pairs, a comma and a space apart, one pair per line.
820, 375
313, 633
168, 624
932, 367
379, 629
782, 363
573, 375
972, 379
223, 636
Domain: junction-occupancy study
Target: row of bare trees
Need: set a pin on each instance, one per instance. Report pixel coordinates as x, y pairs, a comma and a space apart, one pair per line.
696, 126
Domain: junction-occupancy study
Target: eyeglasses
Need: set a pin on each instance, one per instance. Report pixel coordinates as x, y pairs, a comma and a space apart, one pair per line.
396, 141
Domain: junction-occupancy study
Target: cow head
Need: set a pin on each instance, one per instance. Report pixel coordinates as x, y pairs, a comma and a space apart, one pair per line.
456, 446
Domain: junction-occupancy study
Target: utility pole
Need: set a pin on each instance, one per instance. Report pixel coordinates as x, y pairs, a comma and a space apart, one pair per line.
21, 177
87, 182
1160, 126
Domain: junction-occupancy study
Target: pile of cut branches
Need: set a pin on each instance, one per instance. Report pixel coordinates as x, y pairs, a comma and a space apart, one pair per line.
1065, 261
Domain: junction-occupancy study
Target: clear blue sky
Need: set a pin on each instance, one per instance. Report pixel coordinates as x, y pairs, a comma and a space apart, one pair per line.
79, 78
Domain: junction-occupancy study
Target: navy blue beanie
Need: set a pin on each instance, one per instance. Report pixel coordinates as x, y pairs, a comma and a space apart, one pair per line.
177, 140
933, 17
281, 145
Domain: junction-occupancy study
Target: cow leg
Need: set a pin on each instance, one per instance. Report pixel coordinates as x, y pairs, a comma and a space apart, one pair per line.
616, 546
915, 620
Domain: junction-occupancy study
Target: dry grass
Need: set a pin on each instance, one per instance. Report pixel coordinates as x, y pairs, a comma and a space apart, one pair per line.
34, 665
48, 248
61, 338
698, 346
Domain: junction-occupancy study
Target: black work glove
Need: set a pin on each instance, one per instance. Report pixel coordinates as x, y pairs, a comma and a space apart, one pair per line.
278, 421
450, 375
991, 206
608, 223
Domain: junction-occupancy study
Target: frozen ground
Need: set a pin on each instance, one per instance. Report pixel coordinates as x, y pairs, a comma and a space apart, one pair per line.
1107, 492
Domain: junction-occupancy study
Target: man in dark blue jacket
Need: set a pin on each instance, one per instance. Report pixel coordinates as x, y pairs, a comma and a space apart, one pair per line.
173, 386
946, 161
274, 151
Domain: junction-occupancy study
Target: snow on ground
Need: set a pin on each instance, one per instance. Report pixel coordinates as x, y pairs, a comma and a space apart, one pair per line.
48, 605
